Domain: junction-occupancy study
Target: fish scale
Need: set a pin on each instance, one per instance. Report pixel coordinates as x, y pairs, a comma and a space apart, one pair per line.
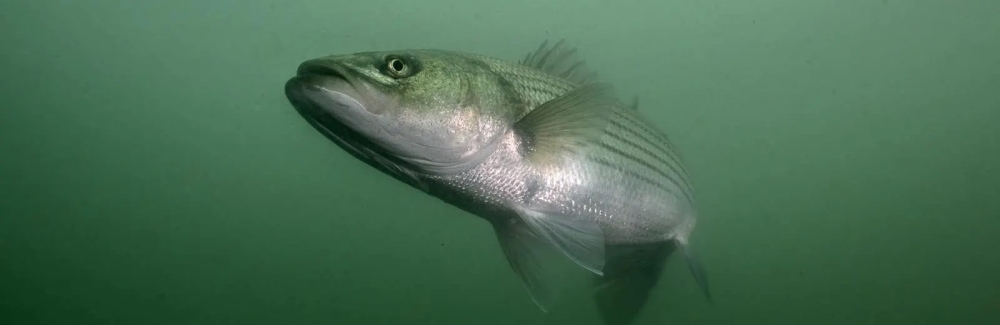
649, 155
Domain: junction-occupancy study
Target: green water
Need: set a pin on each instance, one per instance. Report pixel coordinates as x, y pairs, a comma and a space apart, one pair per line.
152, 171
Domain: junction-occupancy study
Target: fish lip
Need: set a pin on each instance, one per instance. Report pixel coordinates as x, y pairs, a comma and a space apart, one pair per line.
314, 74
320, 67
295, 92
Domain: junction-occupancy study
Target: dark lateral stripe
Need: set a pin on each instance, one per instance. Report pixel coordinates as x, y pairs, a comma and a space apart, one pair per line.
544, 89
634, 120
646, 128
610, 164
549, 85
540, 84
671, 165
540, 89
653, 144
661, 140
643, 163
651, 137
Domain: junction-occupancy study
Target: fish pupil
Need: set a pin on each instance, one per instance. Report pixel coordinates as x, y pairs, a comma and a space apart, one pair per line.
396, 65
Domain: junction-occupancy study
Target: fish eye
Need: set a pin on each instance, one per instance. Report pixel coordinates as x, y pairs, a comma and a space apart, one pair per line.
396, 67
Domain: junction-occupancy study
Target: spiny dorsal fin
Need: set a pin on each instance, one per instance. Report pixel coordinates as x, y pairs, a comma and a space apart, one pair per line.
566, 124
560, 61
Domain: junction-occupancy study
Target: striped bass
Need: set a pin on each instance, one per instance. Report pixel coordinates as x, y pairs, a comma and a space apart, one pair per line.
539, 148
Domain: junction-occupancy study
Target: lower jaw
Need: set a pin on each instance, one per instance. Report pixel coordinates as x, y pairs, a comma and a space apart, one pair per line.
324, 127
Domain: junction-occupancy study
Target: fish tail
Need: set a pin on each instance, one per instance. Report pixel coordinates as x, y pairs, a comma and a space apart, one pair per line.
697, 269
630, 273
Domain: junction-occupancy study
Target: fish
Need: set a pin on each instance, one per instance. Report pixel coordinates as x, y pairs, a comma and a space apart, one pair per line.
540, 148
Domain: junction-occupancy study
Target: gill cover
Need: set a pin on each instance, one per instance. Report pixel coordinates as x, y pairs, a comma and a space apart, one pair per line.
412, 106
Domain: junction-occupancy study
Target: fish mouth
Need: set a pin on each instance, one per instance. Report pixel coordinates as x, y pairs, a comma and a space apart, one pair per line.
297, 90
311, 93
324, 94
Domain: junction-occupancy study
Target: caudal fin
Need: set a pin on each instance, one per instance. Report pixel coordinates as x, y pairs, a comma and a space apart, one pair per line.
630, 273
697, 270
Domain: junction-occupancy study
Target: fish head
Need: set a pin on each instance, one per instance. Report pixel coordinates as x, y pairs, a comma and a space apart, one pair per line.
422, 111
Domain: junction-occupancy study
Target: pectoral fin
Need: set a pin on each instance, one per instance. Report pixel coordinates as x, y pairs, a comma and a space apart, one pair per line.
566, 124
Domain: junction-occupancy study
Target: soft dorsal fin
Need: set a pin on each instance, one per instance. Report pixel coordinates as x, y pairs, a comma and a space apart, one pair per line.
560, 61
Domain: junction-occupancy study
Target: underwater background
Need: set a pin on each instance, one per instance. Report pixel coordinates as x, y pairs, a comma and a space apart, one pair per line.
844, 155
